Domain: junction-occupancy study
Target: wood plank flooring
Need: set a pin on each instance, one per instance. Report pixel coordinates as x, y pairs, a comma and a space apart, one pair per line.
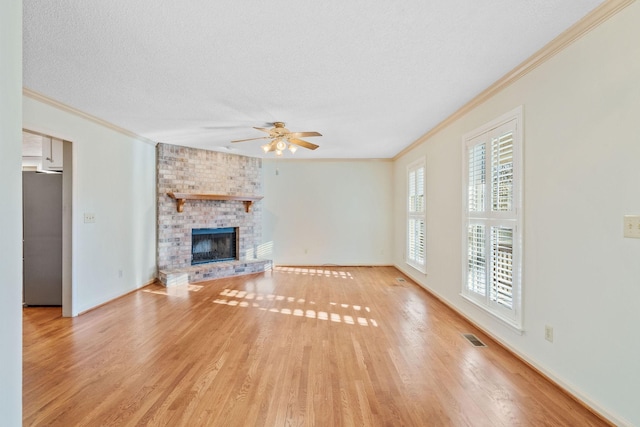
293, 347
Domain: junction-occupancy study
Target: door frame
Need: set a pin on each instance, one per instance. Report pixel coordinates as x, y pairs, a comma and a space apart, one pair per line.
68, 158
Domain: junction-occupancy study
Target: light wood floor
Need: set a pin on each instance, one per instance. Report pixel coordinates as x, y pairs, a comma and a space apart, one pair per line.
317, 346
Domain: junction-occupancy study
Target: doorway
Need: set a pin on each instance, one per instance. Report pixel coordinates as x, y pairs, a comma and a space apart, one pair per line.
47, 218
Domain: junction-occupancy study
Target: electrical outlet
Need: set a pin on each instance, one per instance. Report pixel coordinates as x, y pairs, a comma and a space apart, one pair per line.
548, 333
89, 217
632, 226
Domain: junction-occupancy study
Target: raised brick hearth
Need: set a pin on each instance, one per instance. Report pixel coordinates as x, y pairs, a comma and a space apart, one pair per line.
190, 170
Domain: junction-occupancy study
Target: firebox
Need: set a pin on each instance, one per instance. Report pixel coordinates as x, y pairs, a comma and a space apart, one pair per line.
213, 244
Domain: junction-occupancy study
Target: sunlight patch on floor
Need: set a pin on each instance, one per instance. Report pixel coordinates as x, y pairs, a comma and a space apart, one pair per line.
175, 291
235, 298
306, 271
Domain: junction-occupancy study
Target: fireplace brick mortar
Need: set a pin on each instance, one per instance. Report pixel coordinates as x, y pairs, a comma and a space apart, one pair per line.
189, 170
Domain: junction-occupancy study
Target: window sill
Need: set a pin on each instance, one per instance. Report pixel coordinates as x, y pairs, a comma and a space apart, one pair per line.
419, 268
514, 326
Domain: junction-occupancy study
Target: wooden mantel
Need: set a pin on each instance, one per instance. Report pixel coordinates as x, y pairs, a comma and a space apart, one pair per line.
181, 197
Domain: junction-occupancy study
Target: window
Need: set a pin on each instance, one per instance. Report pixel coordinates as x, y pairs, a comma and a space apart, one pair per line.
416, 223
492, 217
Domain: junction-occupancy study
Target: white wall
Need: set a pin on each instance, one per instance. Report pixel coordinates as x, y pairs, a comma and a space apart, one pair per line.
328, 212
113, 178
11, 213
581, 175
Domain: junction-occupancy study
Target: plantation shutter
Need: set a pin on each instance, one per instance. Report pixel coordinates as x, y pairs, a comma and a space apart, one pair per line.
502, 172
416, 240
416, 223
492, 219
476, 188
502, 266
477, 262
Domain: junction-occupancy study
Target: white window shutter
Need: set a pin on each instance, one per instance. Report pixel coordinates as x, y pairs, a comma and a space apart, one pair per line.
416, 220
502, 266
477, 260
492, 217
477, 173
502, 172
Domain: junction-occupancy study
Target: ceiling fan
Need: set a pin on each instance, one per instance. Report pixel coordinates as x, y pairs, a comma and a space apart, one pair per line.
282, 138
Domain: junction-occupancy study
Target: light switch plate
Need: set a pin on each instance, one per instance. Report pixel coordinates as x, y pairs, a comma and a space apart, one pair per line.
89, 217
632, 226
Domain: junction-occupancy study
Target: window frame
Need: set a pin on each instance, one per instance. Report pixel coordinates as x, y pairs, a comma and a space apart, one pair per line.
420, 216
491, 219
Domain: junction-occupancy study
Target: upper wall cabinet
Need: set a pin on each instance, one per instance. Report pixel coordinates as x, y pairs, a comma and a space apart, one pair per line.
51, 154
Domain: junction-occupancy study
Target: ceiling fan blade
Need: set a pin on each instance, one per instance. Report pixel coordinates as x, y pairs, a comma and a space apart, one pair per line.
251, 139
302, 143
263, 129
302, 134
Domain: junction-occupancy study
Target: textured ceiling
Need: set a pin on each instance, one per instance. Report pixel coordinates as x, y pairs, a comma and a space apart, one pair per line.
372, 77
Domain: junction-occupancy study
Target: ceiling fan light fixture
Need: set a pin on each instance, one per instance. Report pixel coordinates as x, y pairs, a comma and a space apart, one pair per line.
266, 147
278, 152
292, 148
280, 145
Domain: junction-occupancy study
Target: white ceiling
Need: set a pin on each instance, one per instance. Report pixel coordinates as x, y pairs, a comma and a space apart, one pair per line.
371, 76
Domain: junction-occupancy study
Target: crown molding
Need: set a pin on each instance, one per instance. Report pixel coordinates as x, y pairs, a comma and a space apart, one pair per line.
59, 105
596, 17
331, 160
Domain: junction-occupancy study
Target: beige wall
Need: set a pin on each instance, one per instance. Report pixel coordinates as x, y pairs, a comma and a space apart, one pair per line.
581, 175
328, 212
114, 179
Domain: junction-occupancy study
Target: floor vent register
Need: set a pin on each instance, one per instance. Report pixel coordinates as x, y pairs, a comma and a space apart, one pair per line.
474, 340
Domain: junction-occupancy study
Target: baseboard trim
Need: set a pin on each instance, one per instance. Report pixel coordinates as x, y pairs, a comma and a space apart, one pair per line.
148, 283
329, 265
566, 388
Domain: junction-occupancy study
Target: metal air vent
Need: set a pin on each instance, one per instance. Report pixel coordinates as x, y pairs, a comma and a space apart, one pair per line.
474, 340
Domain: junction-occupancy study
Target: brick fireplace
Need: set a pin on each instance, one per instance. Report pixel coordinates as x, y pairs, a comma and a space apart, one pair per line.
190, 170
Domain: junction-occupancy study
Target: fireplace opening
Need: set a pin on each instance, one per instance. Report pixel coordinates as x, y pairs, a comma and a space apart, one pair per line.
213, 245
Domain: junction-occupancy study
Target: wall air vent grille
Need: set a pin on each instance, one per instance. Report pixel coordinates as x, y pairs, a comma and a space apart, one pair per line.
474, 340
